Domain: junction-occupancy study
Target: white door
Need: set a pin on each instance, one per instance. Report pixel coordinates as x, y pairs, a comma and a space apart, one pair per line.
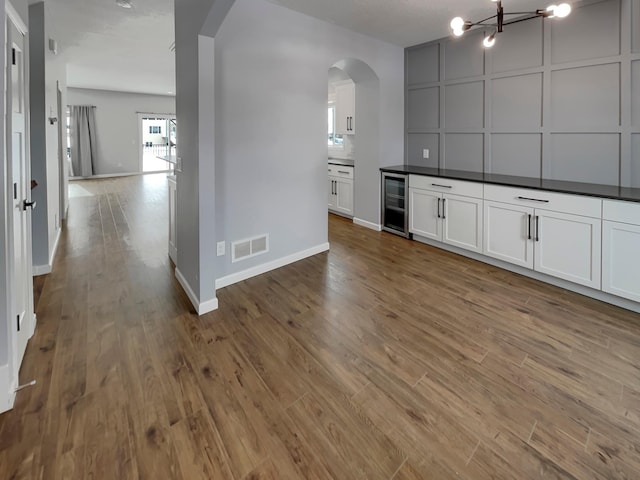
568, 247
345, 108
424, 213
344, 196
620, 259
462, 222
508, 234
21, 239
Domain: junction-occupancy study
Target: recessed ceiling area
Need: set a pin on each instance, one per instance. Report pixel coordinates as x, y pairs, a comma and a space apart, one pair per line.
109, 47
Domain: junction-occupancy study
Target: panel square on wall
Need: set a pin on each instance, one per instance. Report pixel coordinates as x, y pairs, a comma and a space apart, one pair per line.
516, 102
417, 142
635, 27
576, 103
519, 46
464, 151
584, 157
591, 31
635, 94
516, 154
423, 64
464, 105
464, 56
423, 108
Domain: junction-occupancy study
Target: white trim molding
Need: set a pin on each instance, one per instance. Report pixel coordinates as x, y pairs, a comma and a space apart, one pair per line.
45, 269
267, 267
201, 307
365, 223
7, 389
15, 17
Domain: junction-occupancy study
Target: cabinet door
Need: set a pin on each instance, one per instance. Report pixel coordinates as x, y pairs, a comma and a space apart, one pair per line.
620, 259
462, 222
423, 213
345, 108
173, 242
332, 195
344, 196
568, 246
507, 229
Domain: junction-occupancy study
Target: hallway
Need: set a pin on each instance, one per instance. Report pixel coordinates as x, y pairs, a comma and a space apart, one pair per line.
381, 359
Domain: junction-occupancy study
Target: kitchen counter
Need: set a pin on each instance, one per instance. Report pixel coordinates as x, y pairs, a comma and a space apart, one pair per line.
577, 188
345, 162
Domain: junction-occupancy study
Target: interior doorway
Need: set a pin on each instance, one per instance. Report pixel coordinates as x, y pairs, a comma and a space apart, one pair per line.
157, 140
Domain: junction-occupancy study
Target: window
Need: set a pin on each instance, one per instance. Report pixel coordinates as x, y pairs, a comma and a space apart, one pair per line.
156, 129
335, 140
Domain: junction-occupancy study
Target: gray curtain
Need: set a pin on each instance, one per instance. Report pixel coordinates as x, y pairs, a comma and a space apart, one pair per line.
84, 149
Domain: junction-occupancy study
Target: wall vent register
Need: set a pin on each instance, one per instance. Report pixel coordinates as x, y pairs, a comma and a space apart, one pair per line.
250, 247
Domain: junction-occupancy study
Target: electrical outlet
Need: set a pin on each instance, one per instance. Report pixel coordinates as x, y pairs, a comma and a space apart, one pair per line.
221, 248
425, 153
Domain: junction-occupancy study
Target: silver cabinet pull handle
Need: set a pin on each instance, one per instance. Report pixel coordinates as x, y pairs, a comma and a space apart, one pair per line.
342, 171
442, 186
537, 228
444, 208
529, 228
533, 199
439, 208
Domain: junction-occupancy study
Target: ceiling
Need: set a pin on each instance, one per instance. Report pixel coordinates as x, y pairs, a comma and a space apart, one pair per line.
108, 47
112, 48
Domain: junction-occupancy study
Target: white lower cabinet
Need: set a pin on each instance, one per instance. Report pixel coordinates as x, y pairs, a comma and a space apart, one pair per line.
555, 234
621, 249
340, 190
435, 212
173, 239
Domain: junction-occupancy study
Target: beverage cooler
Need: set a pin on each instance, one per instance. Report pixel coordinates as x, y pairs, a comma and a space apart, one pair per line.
394, 204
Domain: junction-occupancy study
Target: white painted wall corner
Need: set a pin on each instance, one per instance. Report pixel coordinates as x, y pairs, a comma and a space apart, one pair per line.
7, 389
201, 307
45, 269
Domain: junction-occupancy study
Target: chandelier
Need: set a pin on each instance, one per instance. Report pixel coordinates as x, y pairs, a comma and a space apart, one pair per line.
498, 21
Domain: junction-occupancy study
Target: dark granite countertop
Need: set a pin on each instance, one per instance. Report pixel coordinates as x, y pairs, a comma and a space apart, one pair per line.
576, 188
341, 161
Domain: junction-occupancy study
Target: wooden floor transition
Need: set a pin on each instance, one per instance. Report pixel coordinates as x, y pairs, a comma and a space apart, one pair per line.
382, 359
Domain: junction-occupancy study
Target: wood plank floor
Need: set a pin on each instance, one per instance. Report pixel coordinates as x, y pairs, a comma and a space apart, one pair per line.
381, 359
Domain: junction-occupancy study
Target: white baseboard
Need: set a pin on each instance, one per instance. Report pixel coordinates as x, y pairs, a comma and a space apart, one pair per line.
7, 389
105, 175
364, 223
272, 265
45, 269
201, 307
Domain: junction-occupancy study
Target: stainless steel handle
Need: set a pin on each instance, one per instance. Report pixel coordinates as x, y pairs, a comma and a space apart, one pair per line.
439, 207
442, 186
30, 205
333, 187
444, 208
342, 171
537, 228
529, 228
533, 199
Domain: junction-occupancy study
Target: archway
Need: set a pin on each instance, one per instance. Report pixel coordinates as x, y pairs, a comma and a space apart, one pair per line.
364, 146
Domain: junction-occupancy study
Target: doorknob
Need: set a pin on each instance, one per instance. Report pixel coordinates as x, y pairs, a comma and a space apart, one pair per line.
30, 205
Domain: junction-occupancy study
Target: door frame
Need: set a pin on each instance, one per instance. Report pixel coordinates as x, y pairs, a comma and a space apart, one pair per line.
141, 116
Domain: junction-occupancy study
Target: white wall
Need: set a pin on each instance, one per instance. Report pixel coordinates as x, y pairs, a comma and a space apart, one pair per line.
117, 125
271, 148
47, 71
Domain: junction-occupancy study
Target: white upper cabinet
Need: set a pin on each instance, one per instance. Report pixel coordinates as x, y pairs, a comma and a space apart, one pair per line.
345, 108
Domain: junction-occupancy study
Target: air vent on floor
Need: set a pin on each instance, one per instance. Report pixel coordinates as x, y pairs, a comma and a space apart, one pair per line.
250, 247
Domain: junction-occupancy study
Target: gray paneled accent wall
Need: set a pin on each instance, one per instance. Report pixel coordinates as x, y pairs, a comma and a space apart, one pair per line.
556, 99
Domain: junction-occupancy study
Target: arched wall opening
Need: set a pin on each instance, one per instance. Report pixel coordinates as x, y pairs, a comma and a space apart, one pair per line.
365, 143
